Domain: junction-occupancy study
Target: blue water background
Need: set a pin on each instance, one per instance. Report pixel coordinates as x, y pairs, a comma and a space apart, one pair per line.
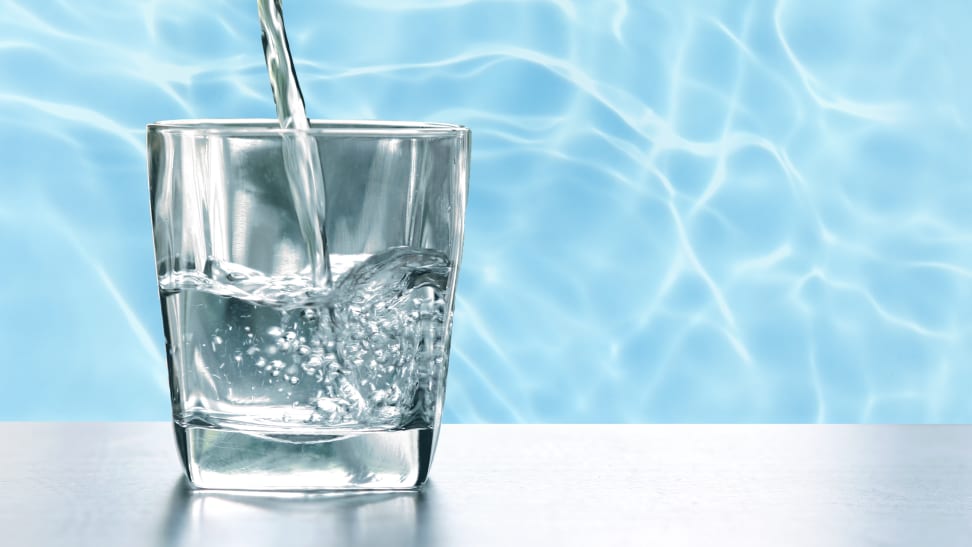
704, 211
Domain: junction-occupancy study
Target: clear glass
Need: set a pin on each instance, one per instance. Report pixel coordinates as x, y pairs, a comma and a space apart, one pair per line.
279, 382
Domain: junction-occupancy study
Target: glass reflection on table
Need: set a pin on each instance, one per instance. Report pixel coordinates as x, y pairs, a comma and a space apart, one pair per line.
225, 518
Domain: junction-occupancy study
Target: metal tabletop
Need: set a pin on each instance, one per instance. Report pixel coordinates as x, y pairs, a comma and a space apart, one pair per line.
120, 484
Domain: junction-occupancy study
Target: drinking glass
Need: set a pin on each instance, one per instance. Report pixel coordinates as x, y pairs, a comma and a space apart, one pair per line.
307, 328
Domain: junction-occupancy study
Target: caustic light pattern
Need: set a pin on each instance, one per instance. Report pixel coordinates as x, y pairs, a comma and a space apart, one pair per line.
679, 211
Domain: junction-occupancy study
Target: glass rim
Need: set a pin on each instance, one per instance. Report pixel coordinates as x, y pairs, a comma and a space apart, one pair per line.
247, 127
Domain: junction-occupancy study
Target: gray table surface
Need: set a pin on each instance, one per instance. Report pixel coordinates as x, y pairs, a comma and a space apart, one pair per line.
120, 484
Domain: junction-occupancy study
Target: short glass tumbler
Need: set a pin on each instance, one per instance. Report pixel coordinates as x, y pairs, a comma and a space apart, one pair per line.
307, 329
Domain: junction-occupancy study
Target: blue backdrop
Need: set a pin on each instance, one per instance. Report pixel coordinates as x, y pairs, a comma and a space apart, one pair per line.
679, 211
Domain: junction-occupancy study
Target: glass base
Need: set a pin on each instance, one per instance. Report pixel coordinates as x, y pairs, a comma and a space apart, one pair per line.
230, 459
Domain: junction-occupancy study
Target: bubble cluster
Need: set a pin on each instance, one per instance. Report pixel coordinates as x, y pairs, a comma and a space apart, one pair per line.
371, 353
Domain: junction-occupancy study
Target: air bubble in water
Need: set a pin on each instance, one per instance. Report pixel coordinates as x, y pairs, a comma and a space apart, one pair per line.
314, 363
365, 361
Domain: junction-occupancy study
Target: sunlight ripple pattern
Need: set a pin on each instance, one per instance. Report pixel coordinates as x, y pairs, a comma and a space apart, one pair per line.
716, 211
